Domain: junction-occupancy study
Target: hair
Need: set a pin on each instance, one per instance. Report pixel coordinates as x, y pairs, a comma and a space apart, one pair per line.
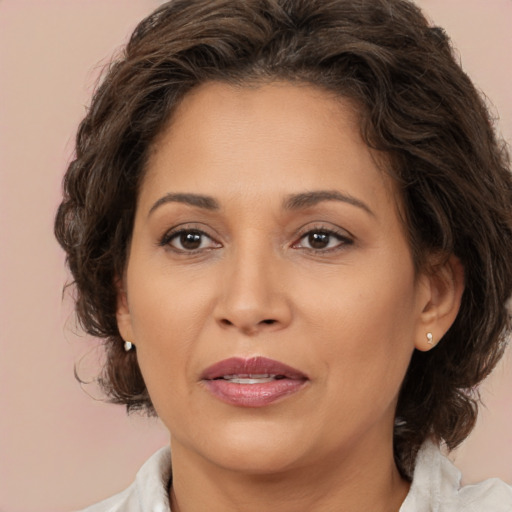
416, 105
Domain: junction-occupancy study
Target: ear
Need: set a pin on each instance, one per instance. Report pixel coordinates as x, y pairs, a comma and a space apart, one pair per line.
124, 321
443, 288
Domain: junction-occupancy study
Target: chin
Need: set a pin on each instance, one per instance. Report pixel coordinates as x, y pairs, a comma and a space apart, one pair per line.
260, 448
257, 460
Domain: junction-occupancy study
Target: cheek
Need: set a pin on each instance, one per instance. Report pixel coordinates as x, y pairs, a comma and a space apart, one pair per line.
166, 304
167, 315
364, 323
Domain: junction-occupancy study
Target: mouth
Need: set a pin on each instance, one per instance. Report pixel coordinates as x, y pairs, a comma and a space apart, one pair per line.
254, 382
250, 379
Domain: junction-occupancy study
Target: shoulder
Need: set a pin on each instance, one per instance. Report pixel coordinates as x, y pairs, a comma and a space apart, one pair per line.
436, 487
124, 501
149, 491
492, 495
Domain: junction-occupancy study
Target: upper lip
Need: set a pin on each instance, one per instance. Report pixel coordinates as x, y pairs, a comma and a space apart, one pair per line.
251, 366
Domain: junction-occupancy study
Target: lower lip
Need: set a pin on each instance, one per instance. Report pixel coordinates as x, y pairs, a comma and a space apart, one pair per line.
253, 395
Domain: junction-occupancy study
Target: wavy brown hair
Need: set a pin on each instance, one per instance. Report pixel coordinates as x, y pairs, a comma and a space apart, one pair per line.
415, 104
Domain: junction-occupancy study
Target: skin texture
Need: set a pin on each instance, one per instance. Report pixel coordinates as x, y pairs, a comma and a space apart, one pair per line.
348, 315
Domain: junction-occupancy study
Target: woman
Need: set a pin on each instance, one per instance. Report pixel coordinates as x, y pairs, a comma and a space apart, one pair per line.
290, 221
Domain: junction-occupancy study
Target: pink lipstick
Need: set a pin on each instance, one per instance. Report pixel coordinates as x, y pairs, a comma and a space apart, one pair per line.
254, 382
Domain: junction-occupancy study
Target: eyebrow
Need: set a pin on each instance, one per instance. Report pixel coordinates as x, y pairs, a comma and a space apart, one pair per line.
200, 201
309, 199
293, 202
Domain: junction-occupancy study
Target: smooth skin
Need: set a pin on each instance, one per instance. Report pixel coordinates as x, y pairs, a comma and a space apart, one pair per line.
266, 227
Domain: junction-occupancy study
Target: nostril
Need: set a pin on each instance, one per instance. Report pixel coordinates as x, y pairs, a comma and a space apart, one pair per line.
228, 323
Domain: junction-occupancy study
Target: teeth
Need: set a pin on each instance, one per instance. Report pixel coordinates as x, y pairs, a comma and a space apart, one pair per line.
249, 376
250, 379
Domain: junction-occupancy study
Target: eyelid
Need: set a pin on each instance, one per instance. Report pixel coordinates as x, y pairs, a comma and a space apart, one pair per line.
172, 233
345, 238
343, 235
325, 226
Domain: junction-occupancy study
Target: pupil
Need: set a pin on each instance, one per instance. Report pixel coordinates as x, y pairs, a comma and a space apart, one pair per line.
190, 240
318, 240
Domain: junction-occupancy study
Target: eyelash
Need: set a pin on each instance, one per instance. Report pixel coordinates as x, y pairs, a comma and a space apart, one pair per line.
343, 238
175, 234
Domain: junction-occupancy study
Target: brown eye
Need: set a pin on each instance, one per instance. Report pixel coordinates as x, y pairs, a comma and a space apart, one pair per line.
323, 240
189, 240
319, 240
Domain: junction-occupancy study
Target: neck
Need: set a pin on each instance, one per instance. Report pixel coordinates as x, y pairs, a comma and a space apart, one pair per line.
362, 479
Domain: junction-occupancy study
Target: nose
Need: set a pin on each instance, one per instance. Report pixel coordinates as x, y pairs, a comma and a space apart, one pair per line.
253, 295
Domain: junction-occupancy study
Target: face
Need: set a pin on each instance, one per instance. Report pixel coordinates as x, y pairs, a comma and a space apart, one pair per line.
269, 289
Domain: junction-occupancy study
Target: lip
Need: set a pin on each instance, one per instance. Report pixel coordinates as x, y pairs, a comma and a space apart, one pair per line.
287, 381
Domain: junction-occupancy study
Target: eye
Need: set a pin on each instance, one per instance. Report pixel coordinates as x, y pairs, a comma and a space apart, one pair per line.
322, 240
189, 240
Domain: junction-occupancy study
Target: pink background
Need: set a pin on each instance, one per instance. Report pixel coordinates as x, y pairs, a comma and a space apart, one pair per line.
60, 449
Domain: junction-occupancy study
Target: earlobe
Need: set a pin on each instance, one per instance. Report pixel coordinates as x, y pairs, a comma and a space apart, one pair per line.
444, 288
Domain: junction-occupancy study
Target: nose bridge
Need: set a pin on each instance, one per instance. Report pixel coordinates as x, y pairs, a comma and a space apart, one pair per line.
253, 295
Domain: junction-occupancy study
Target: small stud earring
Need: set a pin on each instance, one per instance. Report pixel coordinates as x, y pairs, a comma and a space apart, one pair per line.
430, 338
128, 345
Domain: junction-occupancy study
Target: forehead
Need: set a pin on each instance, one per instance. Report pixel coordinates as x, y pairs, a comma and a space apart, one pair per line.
293, 136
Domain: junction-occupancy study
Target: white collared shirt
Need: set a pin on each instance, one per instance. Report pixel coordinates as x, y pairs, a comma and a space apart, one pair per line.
435, 488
